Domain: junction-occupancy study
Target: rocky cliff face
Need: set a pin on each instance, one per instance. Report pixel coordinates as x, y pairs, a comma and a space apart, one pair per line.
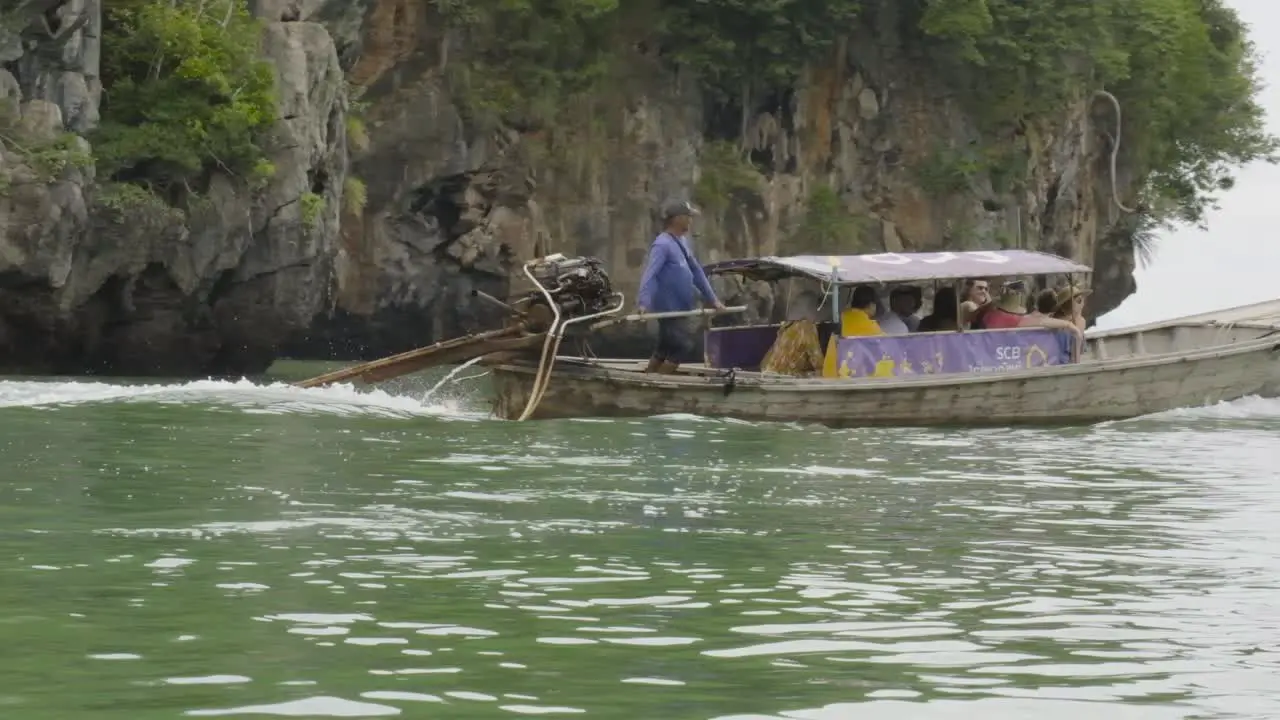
452, 206
869, 152
89, 283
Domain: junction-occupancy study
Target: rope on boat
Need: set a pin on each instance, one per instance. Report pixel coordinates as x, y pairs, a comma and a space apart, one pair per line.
542, 379
541, 376
1115, 152
555, 335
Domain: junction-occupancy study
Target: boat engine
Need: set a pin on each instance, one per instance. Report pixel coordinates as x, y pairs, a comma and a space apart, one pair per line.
579, 286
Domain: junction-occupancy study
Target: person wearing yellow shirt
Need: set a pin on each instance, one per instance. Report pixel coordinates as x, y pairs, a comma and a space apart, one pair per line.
857, 321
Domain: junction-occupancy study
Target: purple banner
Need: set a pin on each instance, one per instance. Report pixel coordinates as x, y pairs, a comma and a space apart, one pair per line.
934, 353
744, 347
740, 347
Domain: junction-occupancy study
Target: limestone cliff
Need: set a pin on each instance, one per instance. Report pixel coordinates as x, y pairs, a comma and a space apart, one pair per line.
89, 283
870, 149
452, 206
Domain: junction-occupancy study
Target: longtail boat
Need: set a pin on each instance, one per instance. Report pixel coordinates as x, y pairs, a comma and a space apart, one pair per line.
1027, 375
987, 377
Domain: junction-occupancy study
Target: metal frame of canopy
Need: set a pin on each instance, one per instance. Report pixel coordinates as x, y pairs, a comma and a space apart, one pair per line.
839, 270
901, 267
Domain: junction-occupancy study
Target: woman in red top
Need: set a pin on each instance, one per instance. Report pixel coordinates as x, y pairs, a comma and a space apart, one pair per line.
1007, 312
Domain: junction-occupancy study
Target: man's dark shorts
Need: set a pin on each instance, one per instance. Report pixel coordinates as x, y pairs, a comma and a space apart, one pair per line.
675, 339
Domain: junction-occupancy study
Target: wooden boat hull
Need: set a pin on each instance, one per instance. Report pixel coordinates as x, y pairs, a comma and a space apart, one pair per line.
1091, 391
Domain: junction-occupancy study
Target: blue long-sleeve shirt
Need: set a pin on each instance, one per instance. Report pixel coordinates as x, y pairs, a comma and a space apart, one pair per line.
670, 277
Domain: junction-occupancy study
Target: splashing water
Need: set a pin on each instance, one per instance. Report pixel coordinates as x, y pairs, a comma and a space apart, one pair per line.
249, 397
452, 374
1247, 408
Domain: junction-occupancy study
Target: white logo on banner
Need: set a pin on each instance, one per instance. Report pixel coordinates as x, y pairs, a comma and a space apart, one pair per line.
989, 257
984, 256
887, 259
941, 258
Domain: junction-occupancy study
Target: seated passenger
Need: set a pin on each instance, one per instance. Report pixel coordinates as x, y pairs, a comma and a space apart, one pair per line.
1071, 305
857, 320
944, 317
899, 317
977, 296
906, 301
1047, 302
796, 351
1007, 312
889, 322
1041, 317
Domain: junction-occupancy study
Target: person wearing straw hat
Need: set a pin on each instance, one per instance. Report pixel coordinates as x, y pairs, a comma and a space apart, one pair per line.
670, 277
1071, 305
1008, 311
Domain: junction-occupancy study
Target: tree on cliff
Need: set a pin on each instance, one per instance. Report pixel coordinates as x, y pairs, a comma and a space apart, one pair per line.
1183, 70
185, 94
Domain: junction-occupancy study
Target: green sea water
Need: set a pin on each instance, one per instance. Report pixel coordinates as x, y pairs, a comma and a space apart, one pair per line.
218, 549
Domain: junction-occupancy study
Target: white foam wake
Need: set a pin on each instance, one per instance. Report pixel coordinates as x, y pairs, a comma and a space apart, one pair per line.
346, 400
1248, 408
275, 398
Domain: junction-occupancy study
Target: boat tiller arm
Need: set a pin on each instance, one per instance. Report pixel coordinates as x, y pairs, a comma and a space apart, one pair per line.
566, 291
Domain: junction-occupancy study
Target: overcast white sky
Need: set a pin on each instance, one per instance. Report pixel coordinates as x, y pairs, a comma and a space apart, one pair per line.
1237, 260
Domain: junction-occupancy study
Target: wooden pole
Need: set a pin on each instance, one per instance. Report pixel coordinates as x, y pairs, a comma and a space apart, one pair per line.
640, 317
442, 353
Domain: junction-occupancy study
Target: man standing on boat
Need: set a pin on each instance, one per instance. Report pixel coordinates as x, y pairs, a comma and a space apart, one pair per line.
671, 274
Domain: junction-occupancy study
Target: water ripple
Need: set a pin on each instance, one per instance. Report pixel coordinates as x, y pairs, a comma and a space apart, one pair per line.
215, 565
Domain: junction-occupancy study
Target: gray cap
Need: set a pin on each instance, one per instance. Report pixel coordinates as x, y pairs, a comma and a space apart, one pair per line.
677, 208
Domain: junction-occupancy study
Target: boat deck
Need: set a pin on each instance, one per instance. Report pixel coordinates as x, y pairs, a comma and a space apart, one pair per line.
1263, 313
1267, 313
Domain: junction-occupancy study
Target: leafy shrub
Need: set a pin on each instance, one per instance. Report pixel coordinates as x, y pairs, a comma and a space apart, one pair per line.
186, 93
312, 205
48, 158
355, 194
724, 172
827, 226
125, 203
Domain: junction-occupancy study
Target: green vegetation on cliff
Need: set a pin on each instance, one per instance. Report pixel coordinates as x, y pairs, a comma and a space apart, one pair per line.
827, 225
1182, 70
48, 158
739, 47
724, 172
529, 58
185, 94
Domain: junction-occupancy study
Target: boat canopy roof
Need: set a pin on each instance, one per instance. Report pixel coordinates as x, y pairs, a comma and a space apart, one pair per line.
900, 267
